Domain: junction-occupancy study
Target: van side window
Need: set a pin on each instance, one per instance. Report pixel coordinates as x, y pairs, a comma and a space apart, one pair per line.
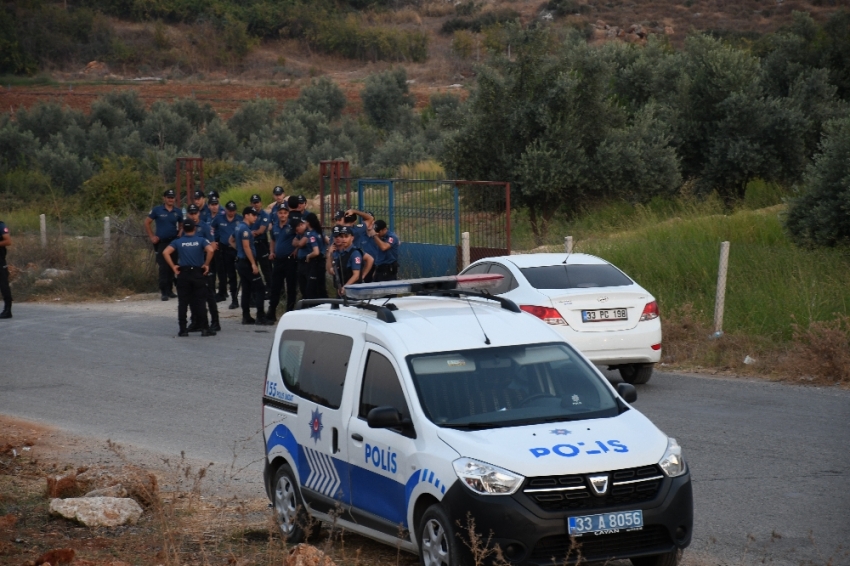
313, 365
381, 387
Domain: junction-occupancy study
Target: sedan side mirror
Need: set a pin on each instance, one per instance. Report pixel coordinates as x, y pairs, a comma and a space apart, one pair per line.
626, 390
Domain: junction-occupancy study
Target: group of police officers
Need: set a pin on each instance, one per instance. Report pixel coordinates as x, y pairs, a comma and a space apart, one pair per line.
274, 250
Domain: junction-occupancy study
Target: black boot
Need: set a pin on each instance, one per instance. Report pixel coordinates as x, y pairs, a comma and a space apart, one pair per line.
248, 319
183, 332
194, 327
7, 311
215, 326
207, 332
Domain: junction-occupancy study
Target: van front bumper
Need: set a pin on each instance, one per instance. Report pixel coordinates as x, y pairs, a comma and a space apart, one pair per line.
528, 535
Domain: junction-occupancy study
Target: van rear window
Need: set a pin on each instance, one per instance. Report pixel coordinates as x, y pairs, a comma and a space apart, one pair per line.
576, 276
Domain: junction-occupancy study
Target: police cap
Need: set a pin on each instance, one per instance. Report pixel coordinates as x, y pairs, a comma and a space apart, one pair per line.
249, 210
169, 193
188, 224
200, 194
339, 214
278, 190
193, 209
380, 225
344, 231
213, 200
256, 198
213, 194
230, 205
301, 199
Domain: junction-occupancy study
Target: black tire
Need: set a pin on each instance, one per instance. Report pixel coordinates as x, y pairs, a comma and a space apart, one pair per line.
438, 545
669, 559
636, 374
289, 512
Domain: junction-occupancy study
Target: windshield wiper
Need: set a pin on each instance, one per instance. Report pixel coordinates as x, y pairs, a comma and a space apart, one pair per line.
473, 426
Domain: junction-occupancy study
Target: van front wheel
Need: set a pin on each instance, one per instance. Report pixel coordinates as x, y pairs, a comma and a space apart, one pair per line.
437, 541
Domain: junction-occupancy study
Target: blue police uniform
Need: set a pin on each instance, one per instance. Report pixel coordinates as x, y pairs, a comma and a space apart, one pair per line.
346, 262
206, 214
252, 285
205, 230
223, 229
262, 245
284, 267
191, 287
386, 262
166, 229
5, 290
311, 279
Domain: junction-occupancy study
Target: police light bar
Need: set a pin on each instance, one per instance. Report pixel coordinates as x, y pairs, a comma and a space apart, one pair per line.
363, 291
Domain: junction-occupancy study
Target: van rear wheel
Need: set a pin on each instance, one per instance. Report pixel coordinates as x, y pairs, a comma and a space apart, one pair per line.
290, 515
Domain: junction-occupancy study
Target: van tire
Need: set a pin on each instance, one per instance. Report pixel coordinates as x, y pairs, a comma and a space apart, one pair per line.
289, 513
636, 374
438, 545
669, 559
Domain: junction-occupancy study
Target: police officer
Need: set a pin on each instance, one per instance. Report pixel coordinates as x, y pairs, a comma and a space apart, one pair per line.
311, 257
168, 219
223, 227
201, 203
387, 243
249, 269
347, 262
284, 263
297, 207
5, 291
204, 230
260, 230
194, 255
279, 202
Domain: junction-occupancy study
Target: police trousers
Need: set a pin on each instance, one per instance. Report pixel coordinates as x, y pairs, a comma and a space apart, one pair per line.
253, 290
166, 275
226, 265
192, 294
284, 272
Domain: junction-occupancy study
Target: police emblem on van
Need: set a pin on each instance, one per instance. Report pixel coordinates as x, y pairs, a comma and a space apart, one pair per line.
316, 425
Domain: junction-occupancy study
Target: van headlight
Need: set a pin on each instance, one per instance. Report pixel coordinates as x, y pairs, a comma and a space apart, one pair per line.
672, 463
485, 479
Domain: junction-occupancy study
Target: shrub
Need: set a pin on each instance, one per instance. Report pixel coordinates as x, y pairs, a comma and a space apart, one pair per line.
119, 186
386, 98
821, 351
164, 126
67, 170
485, 20
197, 114
251, 117
349, 38
21, 187
45, 119
463, 43
323, 96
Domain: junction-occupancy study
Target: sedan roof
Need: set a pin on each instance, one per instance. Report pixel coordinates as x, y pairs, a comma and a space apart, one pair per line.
540, 260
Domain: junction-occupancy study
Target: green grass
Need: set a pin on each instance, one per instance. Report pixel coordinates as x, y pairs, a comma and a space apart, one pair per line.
770, 284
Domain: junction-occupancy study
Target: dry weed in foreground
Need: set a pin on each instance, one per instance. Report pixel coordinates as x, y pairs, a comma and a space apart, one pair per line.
821, 352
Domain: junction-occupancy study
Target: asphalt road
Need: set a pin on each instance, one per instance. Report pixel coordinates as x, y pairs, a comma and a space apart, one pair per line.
770, 462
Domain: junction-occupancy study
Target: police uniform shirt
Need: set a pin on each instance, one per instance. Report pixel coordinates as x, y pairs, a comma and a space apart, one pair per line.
263, 219
361, 235
354, 262
243, 234
190, 250
370, 247
4, 231
307, 249
283, 237
275, 207
390, 256
166, 221
206, 215
224, 228
205, 230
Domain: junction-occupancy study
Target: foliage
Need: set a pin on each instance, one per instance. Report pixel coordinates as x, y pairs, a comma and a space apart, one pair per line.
386, 98
485, 20
323, 96
119, 186
463, 43
251, 117
821, 214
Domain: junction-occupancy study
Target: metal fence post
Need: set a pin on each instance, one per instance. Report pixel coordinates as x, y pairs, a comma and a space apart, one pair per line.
106, 234
43, 221
720, 300
465, 249
568, 244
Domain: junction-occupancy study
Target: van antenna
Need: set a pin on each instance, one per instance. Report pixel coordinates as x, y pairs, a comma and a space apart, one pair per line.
486, 338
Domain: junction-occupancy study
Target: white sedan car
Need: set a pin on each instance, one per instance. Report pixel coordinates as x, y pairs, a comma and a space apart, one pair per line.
596, 307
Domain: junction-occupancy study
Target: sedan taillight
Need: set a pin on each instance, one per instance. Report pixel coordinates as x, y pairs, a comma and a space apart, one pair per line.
650, 311
546, 314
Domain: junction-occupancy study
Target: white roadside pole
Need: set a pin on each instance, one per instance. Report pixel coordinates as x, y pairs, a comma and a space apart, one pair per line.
568, 244
106, 232
464, 243
43, 221
720, 299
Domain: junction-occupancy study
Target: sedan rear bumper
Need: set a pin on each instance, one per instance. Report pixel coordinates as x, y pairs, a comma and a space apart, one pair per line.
618, 346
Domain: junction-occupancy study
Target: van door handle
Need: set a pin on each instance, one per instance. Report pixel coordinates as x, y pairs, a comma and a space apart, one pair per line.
357, 437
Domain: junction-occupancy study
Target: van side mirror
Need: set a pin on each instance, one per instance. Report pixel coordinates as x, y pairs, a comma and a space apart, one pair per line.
384, 417
627, 391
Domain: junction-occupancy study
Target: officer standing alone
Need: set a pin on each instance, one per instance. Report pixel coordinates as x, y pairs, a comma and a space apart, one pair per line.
168, 219
5, 291
194, 255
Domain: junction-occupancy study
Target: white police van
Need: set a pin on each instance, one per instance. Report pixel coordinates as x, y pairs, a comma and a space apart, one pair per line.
400, 418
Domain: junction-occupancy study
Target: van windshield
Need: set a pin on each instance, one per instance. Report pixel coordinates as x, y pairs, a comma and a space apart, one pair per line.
509, 386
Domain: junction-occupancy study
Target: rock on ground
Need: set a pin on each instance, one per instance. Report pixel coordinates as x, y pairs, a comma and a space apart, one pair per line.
98, 511
308, 555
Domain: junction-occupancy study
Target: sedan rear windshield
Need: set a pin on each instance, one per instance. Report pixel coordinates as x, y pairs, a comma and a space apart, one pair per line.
508, 386
576, 276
